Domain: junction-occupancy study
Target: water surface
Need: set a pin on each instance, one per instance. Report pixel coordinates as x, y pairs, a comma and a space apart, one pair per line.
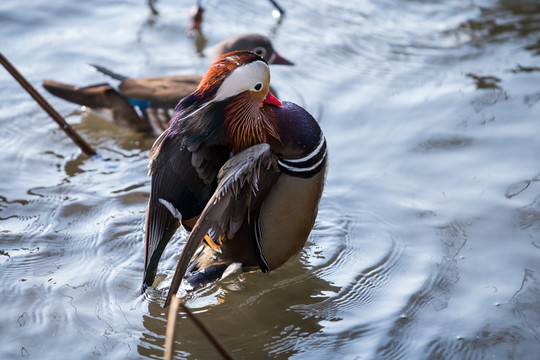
427, 243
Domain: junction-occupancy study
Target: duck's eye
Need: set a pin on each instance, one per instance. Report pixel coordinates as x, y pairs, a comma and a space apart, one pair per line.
258, 86
260, 51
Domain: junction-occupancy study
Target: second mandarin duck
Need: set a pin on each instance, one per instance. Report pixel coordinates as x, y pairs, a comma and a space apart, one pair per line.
147, 104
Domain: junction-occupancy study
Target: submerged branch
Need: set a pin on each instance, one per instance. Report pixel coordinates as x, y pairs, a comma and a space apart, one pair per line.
171, 330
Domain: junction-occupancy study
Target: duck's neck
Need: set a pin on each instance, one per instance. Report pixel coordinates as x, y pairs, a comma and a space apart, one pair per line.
247, 124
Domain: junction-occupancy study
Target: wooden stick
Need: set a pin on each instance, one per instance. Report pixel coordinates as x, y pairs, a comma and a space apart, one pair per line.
79, 141
171, 330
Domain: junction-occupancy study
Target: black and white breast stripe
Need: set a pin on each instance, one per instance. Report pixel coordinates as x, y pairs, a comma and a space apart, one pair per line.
308, 165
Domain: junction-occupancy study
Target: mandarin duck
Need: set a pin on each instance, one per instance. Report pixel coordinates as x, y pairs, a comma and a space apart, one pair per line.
147, 104
238, 168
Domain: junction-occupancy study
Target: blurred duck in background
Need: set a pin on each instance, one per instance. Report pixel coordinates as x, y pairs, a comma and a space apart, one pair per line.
195, 19
147, 104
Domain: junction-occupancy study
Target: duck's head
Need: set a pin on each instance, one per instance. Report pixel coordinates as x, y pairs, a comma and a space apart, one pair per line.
236, 73
255, 43
228, 106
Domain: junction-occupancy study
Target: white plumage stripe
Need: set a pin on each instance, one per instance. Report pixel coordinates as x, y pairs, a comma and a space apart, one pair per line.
174, 211
311, 154
302, 165
299, 169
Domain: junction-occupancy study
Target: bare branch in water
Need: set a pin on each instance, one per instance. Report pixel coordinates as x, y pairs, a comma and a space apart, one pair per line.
77, 139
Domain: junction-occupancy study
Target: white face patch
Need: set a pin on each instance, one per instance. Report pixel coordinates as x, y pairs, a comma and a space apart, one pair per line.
244, 78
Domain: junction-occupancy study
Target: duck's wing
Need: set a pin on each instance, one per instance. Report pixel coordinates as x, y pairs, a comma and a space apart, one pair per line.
244, 179
183, 180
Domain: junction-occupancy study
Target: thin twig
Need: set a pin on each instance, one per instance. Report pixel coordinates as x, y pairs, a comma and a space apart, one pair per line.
279, 8
171, 330
79, 141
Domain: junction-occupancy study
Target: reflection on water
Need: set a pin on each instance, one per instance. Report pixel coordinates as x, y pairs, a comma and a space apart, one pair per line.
427, 240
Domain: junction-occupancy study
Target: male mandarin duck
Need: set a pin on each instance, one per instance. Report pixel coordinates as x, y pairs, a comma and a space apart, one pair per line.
147, 104
240, 169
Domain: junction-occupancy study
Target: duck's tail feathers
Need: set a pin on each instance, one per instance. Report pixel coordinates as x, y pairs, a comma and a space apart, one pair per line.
94, 96
101, 96
108, 72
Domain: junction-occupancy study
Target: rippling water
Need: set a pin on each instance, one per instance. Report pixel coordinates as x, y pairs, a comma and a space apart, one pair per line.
427, 244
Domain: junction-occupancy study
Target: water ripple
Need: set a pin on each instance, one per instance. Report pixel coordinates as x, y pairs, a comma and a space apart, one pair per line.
433, 295
363, 255
426, 244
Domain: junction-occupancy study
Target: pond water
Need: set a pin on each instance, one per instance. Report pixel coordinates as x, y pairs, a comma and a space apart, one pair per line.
427, 243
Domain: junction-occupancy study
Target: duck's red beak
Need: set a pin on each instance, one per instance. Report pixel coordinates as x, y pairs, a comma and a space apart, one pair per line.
272, 100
